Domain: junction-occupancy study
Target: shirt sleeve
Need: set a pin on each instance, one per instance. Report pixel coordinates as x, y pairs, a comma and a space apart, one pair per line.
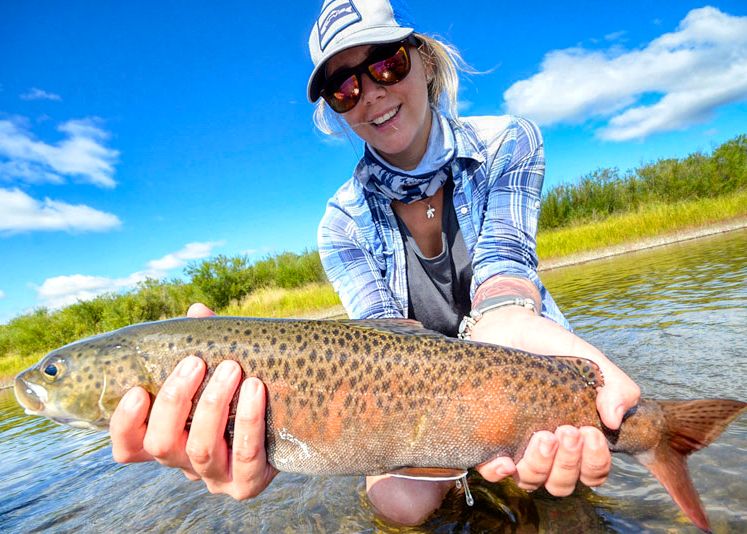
507, 242
352, 269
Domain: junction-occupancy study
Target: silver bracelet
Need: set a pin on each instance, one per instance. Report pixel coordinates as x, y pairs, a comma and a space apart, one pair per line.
469, 321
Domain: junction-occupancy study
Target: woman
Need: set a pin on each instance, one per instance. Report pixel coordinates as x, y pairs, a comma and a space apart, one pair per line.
439, 219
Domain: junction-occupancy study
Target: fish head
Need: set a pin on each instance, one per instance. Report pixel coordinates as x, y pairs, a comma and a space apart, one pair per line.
80, 384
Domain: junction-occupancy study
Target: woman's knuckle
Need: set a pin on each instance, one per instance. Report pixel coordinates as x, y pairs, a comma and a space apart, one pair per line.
247, 454
198, 453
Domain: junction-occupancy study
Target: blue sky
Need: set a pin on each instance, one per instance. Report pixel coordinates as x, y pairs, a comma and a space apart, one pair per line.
136, 137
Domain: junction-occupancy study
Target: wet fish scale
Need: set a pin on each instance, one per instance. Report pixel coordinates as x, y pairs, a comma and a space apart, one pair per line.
370, 397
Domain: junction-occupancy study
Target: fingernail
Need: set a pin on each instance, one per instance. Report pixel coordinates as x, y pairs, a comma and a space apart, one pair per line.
131, 401
571, 440
187, 366
225, 371
546, 446
504, 469
251, 387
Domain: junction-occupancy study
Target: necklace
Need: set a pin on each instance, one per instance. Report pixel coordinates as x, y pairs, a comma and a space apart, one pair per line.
430, 212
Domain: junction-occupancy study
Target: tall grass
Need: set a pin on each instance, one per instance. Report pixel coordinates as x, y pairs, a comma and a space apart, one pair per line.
646, 221
279, 302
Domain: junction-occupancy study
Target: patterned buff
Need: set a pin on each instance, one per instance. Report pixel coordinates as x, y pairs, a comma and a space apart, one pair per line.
425, 180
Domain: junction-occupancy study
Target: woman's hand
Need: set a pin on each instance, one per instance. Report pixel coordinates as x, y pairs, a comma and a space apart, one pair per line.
558, 460
241, 471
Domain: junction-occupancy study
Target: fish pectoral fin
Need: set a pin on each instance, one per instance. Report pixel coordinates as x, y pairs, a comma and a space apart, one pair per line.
433, 474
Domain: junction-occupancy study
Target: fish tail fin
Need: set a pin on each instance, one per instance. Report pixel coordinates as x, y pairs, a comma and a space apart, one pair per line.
690, 426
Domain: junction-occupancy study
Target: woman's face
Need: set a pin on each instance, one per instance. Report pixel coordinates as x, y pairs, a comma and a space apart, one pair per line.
394, 119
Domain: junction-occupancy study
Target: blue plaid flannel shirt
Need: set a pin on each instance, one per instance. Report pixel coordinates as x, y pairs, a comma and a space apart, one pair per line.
498, 170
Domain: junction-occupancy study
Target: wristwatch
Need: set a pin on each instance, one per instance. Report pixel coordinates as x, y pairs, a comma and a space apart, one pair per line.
469, 321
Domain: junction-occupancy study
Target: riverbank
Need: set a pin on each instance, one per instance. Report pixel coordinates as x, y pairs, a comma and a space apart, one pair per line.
335, 311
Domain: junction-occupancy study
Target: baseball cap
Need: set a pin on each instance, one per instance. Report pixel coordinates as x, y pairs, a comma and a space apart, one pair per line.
343, 24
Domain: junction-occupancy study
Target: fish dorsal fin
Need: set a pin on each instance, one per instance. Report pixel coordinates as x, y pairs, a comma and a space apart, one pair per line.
432, 474
586, 368
395, 326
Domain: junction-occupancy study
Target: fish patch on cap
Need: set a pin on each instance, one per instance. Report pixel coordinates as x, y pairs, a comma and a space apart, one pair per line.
336, 16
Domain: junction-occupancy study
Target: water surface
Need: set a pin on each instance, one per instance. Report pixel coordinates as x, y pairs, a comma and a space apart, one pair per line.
675, 318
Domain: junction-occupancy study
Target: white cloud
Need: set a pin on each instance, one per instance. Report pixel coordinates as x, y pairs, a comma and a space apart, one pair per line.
688, 73
2, 294
82, 154
39, 94
60, 291
20, 213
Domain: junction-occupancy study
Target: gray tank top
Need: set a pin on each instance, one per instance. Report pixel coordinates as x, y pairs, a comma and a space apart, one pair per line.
439, 287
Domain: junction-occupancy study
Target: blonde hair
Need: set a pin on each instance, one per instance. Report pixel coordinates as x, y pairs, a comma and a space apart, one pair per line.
442, 64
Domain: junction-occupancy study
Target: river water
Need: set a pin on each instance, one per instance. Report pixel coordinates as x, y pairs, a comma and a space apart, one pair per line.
675, 318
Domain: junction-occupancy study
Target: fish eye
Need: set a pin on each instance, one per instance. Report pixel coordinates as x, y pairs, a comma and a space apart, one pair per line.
53, 371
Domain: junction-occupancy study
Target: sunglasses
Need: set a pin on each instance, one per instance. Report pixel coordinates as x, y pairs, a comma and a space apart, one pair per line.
386, 64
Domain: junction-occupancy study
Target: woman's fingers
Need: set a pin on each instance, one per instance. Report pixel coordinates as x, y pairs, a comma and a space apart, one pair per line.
250, 471
166, 440
206, 447
533, 469
566, 466
596, 459
127, 427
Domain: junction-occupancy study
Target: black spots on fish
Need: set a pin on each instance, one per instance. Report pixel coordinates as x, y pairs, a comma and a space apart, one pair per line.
313, 355
369, 368
275, 375
367, 348
398, 405
247, 332
378, 373
348, 336
319, 399
533, 398
348, 400
234, 346
321, 374
276, 397
256, 348
554, 382
264, 331
300, 362
325, 340
458, 356
514, 373
328, 354
528, 375
163, 374
189, 339
79, 379
333, 369
309, 372
575, 388
282, 330
245, 353
87, 369
282, 347
299, 338
476, 382
120, 369
354, 365
353, 381
286, 369
225, 339
454, 385
565, 397
252, 365
315, 335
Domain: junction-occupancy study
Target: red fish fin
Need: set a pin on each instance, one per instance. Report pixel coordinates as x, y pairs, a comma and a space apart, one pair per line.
586, 368
429, 473
691, 425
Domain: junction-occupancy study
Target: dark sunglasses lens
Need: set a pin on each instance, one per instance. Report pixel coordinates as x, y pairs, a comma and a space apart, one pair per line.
392, 69
345, 96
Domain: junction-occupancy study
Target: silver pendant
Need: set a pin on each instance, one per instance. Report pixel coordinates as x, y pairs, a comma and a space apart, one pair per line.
430, 212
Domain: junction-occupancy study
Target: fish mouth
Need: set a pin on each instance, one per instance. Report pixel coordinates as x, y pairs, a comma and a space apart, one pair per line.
32, 397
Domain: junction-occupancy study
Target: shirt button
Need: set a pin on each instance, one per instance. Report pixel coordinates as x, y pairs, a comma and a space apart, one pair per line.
464, 210
536, 204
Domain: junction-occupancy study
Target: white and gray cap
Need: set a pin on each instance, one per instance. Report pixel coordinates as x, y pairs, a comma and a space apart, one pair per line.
343, 24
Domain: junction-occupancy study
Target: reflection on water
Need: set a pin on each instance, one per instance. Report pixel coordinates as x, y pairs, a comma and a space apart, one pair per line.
674, 318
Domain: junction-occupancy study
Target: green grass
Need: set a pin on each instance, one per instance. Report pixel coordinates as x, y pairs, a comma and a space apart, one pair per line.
278, 302
649, 221
12, 364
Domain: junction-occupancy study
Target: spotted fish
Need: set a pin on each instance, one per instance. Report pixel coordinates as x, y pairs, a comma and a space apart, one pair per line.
371, 397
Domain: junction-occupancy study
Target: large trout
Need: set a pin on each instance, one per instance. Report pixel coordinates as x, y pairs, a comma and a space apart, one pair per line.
371, 397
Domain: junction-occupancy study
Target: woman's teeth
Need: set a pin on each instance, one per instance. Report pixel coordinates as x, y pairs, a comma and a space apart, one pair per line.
378, 121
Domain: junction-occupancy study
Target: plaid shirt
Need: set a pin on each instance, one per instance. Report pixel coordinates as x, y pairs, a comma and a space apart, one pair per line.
498, 170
